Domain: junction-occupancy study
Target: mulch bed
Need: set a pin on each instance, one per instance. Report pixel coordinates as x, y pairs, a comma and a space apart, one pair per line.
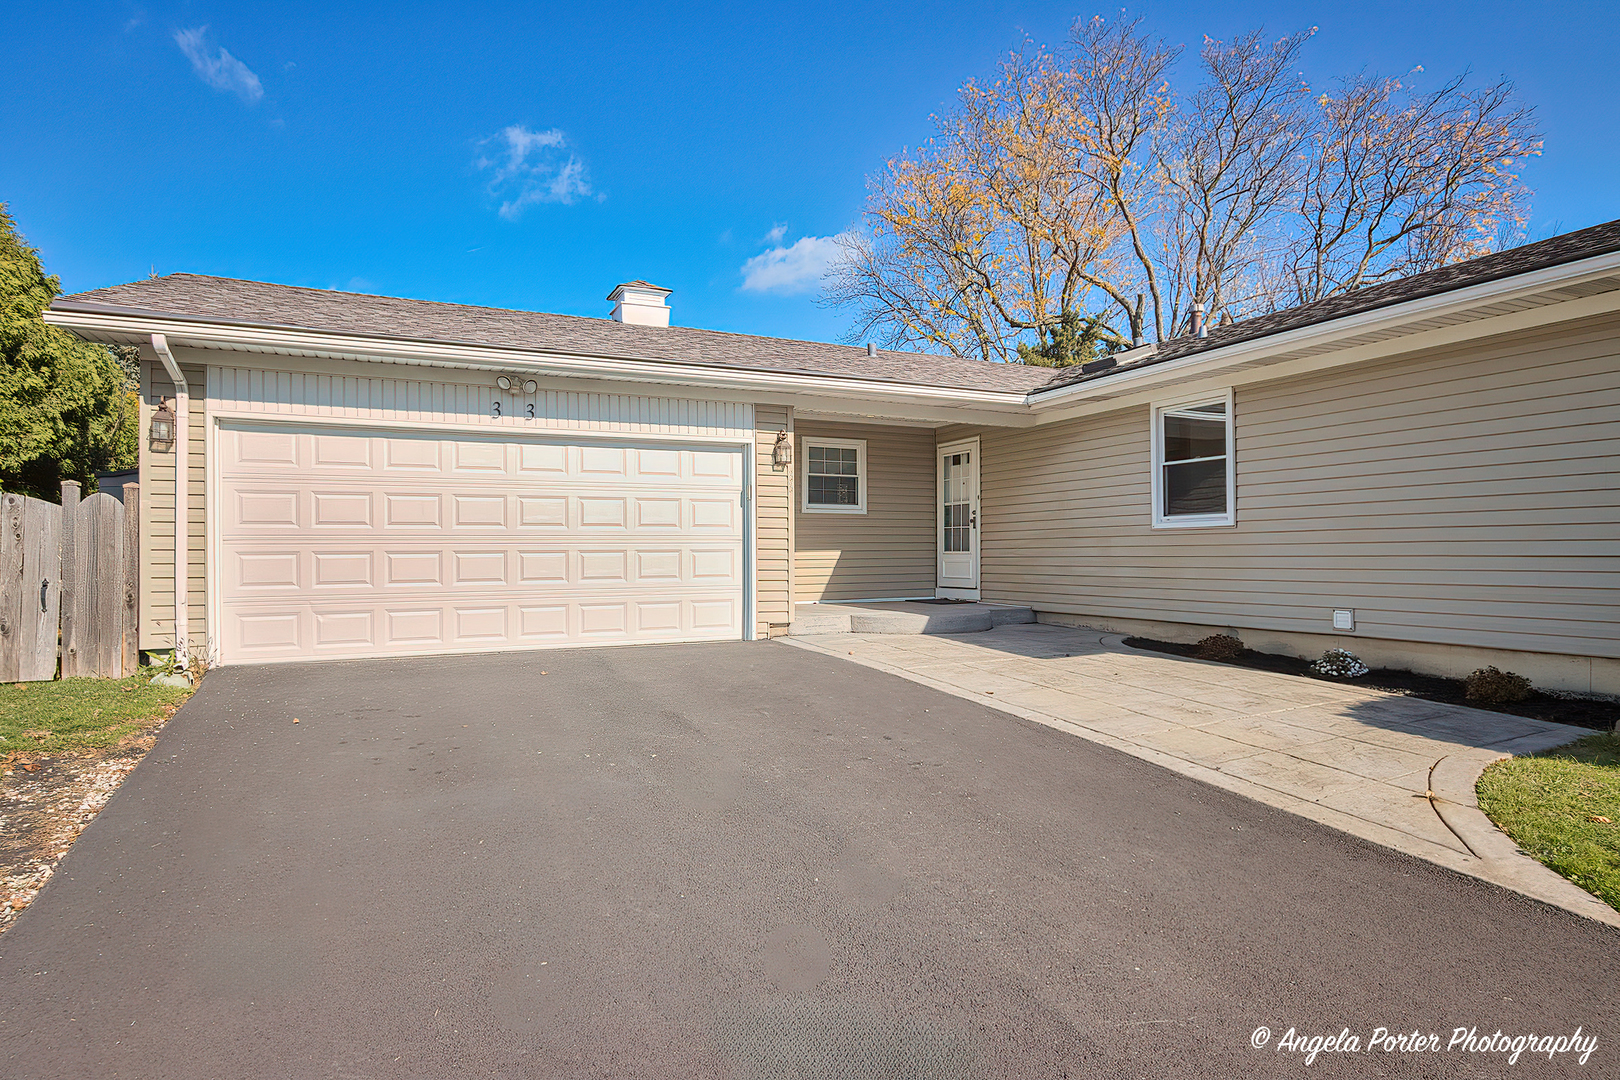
1596, 714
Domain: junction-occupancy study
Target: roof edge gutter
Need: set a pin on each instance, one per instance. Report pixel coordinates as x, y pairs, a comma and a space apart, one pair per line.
182, 495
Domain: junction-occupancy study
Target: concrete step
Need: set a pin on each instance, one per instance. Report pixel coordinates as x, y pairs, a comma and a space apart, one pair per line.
904, 617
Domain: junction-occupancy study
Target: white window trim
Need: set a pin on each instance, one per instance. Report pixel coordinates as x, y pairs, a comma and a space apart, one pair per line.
1194, 521
859, 445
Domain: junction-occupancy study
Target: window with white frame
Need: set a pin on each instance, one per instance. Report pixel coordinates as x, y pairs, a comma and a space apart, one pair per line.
835, 476
1193, 476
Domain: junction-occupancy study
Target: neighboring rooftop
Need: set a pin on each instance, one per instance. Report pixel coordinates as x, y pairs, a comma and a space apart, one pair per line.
196, 298
1556, 251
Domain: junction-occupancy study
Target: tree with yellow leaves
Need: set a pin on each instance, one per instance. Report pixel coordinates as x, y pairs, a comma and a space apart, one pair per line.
1080, 190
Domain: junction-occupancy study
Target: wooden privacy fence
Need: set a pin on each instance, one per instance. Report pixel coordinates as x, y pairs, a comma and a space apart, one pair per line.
69, 585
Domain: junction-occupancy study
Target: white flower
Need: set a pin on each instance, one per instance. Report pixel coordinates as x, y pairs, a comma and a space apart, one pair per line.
1340, 664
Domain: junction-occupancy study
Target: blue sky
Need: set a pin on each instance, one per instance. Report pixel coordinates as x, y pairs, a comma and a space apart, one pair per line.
533, 156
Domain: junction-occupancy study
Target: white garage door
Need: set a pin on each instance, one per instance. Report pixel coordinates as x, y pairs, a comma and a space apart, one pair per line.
353, 544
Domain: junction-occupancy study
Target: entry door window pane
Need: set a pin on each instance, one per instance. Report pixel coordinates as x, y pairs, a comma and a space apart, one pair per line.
956, 503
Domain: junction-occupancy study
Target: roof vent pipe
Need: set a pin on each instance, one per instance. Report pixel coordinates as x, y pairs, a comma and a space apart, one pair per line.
871, 349
1198, 327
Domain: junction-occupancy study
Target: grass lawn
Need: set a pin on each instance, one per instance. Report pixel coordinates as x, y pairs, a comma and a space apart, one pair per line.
80, 714
1563, 807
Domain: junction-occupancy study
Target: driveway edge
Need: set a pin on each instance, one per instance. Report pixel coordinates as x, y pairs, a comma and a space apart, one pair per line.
1452, 792
1496, 859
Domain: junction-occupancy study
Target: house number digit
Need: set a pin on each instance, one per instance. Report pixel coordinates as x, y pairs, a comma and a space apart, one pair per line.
497, 410
531, 410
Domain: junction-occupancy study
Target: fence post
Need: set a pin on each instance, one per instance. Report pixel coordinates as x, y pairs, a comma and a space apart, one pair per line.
71, 585
132, 578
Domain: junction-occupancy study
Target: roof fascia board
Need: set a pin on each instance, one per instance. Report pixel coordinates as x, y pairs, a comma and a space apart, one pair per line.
1195, 379
496, 358
1427, 307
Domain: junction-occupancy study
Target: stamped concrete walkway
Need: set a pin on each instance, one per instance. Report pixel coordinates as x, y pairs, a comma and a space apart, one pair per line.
1396, 770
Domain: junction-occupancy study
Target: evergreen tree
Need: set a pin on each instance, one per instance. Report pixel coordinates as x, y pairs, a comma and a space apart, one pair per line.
1076, 339
67, 407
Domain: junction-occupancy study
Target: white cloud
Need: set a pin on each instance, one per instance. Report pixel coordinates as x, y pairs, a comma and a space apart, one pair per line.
774, 237
219, 68
528, 167
793, 269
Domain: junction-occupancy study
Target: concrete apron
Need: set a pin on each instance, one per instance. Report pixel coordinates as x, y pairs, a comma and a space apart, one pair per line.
1395, 770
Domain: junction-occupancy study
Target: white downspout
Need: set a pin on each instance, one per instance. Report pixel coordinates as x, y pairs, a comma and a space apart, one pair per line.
182, 497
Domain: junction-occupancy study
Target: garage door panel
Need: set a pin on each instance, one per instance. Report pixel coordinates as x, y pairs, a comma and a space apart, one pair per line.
261, 570
340, 452
339, 509
403, 511
407, 568
268, 449
342, 544
480, 457
602, 461
602, 513
478, 567
543, 622
480, 511
542, 567
551, 461
481, 624
421, 627
418, 456
262, 509
543, 511
715, 515
340, 569
343, 629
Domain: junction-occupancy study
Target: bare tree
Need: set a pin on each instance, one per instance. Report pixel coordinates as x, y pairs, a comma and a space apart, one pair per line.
1117, 74
1077, 189
1231, 165
1399, 182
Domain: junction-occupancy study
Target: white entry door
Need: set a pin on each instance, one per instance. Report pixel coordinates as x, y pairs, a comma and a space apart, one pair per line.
346, 544
958, 531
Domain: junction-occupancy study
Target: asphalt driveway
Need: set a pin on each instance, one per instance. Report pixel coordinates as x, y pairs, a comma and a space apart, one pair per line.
737, 860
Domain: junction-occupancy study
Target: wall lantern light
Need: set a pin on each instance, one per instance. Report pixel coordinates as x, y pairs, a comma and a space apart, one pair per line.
161, 430
782, 452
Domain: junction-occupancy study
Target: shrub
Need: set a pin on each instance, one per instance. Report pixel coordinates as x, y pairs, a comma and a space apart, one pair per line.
1488, 686
1340, 664
1220, 647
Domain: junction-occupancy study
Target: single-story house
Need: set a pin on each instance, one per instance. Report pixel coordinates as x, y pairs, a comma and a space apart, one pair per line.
1423, 471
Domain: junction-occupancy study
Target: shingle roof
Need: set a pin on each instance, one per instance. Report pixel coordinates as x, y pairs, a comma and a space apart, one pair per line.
229, 300
1568, 248
195, 297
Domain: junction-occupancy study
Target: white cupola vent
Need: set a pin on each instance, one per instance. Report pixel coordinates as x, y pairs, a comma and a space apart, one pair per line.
640, 304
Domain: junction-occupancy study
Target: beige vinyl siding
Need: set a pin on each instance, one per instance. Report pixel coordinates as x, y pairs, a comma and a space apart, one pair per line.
157, 514
1467, 496
773, 522
887, 551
